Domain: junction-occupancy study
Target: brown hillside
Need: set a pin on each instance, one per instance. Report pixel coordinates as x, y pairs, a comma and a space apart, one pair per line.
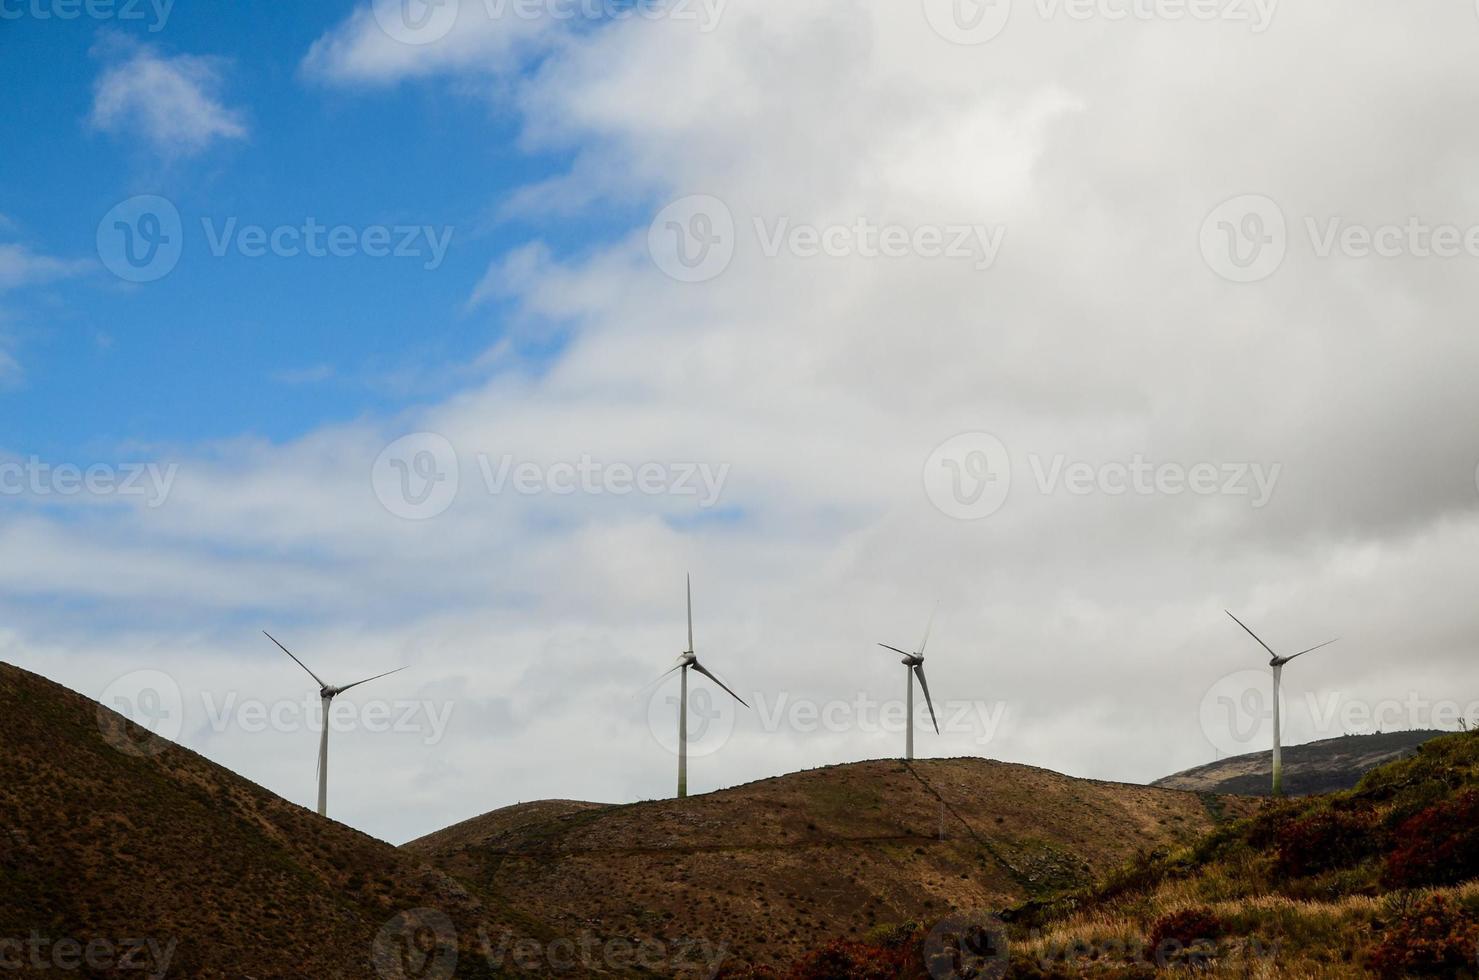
769, 867
99, 845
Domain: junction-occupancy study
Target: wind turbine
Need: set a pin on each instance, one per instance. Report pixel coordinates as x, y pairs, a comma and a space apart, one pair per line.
1277, 663
688, 659
327, 693
914, 667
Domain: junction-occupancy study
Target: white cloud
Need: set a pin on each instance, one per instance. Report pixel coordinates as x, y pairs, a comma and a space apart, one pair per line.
21, 266
11, 373
824, 384
171, 103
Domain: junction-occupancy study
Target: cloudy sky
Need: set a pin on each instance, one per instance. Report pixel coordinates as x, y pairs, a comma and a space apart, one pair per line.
454, 335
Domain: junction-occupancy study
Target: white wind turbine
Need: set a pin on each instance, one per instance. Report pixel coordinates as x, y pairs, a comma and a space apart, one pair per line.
326, 693
914, 667
1277, 663
688, 659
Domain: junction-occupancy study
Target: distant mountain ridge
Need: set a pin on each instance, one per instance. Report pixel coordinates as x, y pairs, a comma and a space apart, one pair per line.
1326, 766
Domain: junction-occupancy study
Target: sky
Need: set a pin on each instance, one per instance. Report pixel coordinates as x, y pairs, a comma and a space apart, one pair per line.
453, 336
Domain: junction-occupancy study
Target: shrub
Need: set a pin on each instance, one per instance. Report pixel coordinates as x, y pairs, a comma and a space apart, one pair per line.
1327, 839
1184, 935
842, 960
1436, 938
1439, 846
1266, 827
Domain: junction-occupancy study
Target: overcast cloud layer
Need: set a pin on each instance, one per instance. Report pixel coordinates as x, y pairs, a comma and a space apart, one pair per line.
1105, 329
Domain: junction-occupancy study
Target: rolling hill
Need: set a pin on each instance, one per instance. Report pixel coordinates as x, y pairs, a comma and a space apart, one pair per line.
768, 869
1327, 766
151, 859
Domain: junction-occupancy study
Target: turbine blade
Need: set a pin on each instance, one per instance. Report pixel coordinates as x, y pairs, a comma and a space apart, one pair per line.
295, 659
645, 689
1313, 648
919, 672
702, 670
690, 613
927, 627
1252, 634
368, 679
894, 649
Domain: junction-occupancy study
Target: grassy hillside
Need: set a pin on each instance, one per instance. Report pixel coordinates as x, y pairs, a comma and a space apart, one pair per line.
771, 868
216, 876
1326, 766
1379, 880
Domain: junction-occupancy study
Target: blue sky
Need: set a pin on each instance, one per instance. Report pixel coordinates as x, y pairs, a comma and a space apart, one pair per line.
222, 346
846, 396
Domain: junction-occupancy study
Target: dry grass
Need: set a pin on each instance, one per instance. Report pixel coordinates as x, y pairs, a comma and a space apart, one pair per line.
775, 868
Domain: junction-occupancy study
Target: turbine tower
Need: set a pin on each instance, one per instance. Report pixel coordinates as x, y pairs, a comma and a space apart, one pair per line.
688, 659
914, 667
1277, 663
326, 693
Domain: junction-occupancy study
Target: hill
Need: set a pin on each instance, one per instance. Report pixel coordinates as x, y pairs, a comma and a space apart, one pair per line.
159, 860
769, 868
1327, 766
1380, 880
